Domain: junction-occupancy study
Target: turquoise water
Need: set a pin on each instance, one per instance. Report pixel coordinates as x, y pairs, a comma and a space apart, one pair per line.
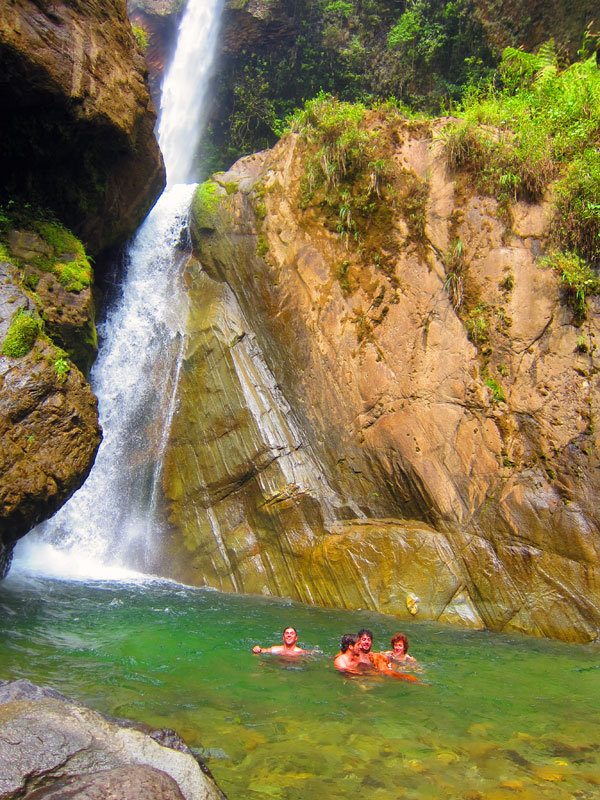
500, 716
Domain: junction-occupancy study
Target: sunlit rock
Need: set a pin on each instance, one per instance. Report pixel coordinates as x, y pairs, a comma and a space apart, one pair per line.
461, 468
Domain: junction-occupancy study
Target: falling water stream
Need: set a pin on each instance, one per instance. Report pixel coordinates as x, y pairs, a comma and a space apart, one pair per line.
495, 717
109, 526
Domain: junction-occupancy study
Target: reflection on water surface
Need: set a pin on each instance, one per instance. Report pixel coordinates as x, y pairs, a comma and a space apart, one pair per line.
501, 717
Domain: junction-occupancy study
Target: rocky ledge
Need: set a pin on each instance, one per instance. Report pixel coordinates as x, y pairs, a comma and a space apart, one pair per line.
78, 132
52, 748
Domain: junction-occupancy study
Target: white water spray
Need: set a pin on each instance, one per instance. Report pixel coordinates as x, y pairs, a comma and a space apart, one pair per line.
110, 520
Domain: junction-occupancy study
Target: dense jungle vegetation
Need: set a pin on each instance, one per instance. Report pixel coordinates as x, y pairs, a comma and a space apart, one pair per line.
422, 52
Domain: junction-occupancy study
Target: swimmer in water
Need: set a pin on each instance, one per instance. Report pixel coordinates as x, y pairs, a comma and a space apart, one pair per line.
399, 652
349, 657
288, 648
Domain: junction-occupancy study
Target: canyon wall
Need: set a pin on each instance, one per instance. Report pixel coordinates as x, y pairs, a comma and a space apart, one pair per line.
348, 434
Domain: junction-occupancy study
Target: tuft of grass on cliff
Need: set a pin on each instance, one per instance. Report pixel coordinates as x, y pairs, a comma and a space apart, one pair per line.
536, 127
66, 257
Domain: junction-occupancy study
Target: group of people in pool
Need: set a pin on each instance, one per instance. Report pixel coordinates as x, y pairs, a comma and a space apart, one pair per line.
356, 655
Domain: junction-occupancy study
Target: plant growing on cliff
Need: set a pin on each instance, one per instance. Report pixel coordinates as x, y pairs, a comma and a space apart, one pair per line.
455, 266
65, 257
23, 331
205, 204
576, 278
345, 163
62, 368
141, 36
536, 125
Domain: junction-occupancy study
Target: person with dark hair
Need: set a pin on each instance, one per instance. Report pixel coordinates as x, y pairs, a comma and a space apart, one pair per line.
288, 648
399, 651
348, 659
365, 642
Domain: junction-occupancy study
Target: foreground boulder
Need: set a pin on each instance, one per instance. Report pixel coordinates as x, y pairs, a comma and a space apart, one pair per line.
51, 748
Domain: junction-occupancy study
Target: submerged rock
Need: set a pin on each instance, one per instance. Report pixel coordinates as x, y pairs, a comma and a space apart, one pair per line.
411, 454
52, 747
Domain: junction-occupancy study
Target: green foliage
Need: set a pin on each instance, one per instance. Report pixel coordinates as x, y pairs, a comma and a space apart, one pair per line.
141, 35
262, 246
454, 264
414, 206
535, 125
344, 148
339, 8
62, 368
576, 277
477, 325
497, 391
23, 331
347, 171
582, 345
67, 258
341, 48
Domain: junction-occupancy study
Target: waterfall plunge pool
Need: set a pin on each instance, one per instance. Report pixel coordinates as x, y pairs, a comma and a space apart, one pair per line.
501, 716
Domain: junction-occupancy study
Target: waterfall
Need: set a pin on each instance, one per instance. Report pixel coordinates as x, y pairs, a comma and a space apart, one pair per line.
110, 521
184, 88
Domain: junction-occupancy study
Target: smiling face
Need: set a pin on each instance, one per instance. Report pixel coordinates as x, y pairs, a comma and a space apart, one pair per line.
399, 649
290, 637
365, 643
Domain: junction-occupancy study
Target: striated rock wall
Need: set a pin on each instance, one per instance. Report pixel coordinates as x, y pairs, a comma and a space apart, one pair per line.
455, 455
78, 131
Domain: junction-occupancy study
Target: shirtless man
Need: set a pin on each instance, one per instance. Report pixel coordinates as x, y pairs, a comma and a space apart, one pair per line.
348, 659
288, 648
365, 642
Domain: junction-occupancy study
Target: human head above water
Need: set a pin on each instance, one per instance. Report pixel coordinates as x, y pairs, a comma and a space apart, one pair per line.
290, 635
365, 637
348, 639
399, 637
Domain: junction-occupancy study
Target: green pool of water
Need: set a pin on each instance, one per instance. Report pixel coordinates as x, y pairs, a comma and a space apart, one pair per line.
500, 716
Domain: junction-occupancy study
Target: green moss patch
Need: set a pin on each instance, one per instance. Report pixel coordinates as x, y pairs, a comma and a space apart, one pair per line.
21, 335
205, 205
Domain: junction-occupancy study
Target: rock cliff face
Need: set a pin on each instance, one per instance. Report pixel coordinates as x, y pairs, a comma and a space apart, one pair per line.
422, 460
78, 131
49, 431
77, 146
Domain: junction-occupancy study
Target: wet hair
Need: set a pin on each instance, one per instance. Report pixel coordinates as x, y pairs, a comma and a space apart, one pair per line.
287, 628
400, 637
347, 640
367, 631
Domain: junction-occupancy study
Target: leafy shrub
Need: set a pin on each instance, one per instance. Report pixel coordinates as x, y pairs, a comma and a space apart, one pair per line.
497, 391
345, 163
21, 335
344, 147
535, 125
141, 35
576, 277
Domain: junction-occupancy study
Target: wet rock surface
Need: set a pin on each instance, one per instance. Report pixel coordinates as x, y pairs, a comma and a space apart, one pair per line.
488, 448
78, 135
52, 747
